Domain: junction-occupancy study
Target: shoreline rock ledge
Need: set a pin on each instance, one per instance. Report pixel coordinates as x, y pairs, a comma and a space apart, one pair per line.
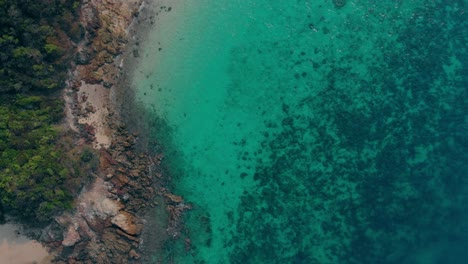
106, 224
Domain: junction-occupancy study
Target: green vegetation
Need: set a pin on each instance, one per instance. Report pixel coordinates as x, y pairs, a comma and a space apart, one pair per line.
33, 38
40, 171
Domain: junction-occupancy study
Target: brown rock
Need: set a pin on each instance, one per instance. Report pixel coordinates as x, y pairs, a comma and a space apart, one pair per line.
105, 36
174, 198
129, 237
122, 178
122, 246
106, 159
133, 187
113, 242
127, 222
150, 190
71, 237
132, 254
135, 173
127, 144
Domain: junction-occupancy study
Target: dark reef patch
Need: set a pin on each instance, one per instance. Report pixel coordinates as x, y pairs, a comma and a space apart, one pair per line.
339, 3
369, 169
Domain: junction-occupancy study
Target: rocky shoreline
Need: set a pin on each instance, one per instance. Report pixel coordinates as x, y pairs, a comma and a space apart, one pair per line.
107, 223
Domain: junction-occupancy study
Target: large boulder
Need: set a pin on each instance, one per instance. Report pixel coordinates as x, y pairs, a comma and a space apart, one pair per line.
127, 222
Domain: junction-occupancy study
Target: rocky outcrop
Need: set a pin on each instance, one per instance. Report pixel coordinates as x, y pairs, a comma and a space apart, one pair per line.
71, 236
96, 66
106, 23
106, 225
128, 223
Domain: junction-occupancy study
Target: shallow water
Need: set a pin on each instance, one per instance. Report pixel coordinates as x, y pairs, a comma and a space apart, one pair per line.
307, 132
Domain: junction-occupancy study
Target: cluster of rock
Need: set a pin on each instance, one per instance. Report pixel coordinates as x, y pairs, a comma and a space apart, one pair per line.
105, 228
106, 23
106, 225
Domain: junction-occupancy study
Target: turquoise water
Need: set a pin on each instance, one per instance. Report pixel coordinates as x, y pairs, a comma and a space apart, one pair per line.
312, 131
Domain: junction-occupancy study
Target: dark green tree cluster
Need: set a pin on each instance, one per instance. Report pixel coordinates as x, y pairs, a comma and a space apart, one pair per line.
35, 171
40, 170
35, 37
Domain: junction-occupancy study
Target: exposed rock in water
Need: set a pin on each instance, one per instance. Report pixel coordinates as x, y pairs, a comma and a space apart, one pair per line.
174, 198
104, 227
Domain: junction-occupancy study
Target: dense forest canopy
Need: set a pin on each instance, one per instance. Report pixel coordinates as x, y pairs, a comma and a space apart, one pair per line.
35, 39
40, 171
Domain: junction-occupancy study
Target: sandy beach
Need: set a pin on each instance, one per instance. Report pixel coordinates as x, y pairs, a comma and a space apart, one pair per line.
16, 248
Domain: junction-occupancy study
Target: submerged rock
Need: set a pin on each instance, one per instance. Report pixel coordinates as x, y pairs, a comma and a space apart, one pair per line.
339, 3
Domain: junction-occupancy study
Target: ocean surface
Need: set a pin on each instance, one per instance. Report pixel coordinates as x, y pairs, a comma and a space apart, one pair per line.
312, 131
